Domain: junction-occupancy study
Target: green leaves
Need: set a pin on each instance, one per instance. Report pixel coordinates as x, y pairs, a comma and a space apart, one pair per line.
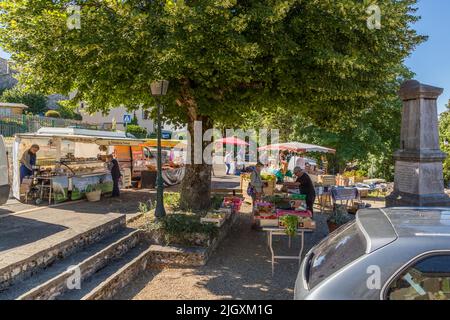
444, 136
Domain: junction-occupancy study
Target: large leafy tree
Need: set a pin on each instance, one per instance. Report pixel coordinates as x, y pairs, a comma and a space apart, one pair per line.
444, 136
36, 102
223, 58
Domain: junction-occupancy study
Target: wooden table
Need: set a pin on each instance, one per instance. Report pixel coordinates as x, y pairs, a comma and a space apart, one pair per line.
276, 231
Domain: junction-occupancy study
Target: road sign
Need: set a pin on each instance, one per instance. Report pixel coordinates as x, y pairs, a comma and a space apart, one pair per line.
166, 135
127, 118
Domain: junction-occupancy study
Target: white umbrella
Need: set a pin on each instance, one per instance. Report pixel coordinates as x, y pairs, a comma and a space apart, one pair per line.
297, 147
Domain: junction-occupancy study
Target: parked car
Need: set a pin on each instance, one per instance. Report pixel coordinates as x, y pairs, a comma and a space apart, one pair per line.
4, 181
387, 254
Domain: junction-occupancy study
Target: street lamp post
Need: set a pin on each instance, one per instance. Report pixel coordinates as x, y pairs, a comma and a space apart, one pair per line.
159, 88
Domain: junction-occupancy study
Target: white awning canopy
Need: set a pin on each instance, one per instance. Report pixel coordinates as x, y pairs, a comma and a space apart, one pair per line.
297, 147
102, 138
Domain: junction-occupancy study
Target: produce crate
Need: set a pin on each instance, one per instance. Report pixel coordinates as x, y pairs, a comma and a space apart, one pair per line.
302, 224
342, 181
297, 196
308, 224
245, 180
327, 180
269, 189
354, 180
224, 210
299, 213
216, 221
267, 222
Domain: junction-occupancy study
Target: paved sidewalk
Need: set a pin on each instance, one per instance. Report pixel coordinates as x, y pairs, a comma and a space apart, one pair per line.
239, 269
27, 229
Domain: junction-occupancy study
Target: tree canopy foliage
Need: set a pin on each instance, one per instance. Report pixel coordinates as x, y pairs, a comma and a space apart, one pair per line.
444, 136
224, 58
36, 102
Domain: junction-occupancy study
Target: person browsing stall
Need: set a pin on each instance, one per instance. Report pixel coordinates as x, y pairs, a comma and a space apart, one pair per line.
256, 182
116, 175
27, 162
306, 187
228, 160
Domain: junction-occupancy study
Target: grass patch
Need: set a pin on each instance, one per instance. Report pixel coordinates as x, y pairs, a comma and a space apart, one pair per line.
172, 200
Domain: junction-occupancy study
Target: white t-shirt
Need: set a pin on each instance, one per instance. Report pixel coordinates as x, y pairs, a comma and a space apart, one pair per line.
228, 158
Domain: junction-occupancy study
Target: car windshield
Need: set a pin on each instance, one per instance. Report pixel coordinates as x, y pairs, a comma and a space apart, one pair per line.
335, 252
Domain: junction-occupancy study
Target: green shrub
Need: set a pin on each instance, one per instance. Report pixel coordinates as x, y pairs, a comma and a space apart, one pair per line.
216, 202
145, 207
137, 131
172, 200
52, 114
36, 102
340, 215
184, 229
67, 111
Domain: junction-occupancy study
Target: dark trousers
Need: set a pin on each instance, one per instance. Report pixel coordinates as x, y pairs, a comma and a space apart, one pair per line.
116, 189
228, 167
310, 203
24, 172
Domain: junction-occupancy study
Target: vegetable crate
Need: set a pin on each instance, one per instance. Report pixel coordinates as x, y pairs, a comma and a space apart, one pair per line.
217, 221
327, 180
267, 222
303, 223
269, 187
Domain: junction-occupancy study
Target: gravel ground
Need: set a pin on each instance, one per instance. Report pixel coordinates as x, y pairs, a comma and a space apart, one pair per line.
239, 269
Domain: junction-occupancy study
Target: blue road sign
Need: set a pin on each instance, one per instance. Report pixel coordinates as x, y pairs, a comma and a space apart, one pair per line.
127, 118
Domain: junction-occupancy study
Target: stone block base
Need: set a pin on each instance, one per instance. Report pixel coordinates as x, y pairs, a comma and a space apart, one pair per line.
401, 199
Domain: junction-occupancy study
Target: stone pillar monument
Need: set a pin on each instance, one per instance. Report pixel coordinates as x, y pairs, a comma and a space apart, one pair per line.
418, 164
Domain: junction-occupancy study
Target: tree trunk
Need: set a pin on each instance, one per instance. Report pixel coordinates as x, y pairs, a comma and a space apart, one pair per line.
196, 184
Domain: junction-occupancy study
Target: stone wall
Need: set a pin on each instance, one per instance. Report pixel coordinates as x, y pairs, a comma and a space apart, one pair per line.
177, 256
26, 268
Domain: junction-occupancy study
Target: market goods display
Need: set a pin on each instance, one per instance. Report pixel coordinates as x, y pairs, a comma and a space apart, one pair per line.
232, 202
300, 213
264, 207
267, 177
292, 222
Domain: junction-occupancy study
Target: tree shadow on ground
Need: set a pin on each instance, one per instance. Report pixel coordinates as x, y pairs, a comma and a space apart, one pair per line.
17, 231
241, 267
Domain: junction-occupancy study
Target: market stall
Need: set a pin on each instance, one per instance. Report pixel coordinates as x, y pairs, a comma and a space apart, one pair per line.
70, 163
284, 215
141, 160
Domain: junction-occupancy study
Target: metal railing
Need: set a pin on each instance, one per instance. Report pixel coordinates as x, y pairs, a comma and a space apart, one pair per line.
13, 124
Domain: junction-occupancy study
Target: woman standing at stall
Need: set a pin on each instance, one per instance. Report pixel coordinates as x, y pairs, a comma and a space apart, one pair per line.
116, 175
27, 161
255, 188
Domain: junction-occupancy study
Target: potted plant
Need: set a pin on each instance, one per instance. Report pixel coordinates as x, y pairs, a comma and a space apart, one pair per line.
93, 192
339, 217
290, 222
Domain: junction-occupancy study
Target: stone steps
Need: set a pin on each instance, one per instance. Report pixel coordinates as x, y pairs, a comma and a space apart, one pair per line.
41, 257
53, 281
106, 282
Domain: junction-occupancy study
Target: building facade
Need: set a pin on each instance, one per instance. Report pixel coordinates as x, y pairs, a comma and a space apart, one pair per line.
116, 115
7, 80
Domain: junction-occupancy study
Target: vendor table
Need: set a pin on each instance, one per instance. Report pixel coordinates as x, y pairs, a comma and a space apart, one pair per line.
275, 231
344, 194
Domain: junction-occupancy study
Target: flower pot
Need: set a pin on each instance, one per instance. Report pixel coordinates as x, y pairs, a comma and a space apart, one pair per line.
94, 196
332, 226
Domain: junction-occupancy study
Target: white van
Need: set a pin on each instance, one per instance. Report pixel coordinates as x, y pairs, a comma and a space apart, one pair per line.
4, 181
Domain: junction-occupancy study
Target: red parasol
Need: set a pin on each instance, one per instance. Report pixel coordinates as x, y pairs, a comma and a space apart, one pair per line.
232, 140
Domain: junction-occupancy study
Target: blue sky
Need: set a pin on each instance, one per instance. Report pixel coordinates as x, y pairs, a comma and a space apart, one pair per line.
431, 60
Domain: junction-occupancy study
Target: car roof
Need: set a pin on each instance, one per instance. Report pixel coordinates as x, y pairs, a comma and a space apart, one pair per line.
405, 222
